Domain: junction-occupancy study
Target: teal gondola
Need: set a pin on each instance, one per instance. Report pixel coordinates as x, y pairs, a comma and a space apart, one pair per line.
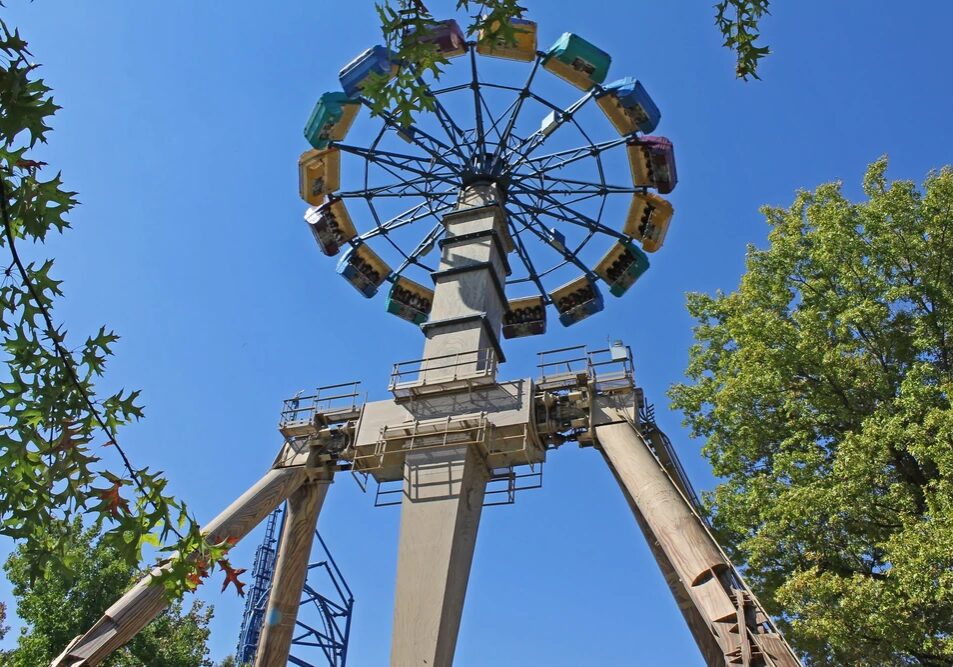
577, 61
621, 267
409, 300
332, 117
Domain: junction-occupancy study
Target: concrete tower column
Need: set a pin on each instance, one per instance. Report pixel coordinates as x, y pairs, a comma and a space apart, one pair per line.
444, 488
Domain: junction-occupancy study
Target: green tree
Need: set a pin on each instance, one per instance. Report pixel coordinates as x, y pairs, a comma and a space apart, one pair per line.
404, 22
55, 610
823, 386
54, 424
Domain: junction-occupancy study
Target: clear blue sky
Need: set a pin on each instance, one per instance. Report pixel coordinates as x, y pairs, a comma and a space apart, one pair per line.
180, 130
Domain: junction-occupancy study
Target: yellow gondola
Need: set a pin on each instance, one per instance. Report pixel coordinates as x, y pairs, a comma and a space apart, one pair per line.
648, 220
319, 174
523, 48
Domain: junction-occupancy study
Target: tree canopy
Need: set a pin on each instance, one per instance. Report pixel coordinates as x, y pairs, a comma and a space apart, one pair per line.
55, 610
823, 387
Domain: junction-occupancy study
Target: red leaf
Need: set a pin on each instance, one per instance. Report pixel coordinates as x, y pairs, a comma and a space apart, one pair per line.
29, 164
114, 502
231, 577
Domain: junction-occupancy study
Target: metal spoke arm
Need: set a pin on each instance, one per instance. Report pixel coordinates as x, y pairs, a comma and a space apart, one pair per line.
531, 273
534, 141
384, 159
452, 130
560, 159
570, 215
408, 217
532, 227
425, 246
518, 106
411, 133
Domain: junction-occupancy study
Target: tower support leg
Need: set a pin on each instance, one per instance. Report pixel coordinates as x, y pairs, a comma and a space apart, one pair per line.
291, 569
698, 573
440, 515
134, 610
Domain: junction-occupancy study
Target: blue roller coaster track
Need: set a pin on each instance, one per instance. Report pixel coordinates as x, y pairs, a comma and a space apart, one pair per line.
324, 620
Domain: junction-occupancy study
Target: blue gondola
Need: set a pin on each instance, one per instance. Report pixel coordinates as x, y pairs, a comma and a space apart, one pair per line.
331, 119
376, 60
648, 220
577, 300
361, 267
628, 107
409, 300
652, 161
621, 267
577, 61
524, 317
331, 225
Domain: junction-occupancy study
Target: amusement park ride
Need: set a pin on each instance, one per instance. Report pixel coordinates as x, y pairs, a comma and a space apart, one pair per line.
454, 436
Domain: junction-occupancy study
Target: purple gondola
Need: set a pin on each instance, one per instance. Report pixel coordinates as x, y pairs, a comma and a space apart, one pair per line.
652, 161
447, 37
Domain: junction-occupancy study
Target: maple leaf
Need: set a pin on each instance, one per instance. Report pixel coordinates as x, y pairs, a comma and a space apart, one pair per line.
114, 502
231, 577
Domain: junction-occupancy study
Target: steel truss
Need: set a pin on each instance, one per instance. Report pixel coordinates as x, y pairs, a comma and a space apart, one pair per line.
324, 620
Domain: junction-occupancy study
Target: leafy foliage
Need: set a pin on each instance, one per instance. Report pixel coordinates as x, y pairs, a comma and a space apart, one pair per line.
741, 31
55, 612
53, 422
823, 386
405, 22
405, 29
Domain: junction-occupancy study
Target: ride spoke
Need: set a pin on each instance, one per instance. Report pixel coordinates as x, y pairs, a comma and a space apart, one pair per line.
517, 107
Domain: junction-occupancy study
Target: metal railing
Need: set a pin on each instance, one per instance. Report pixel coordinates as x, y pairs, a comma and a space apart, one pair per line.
563, 367
443, 372
396, 441
607, 370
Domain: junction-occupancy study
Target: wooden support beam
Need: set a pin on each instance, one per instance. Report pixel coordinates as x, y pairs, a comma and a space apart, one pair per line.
440, 515
707, 644
291, 570
134, 610
669, 522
